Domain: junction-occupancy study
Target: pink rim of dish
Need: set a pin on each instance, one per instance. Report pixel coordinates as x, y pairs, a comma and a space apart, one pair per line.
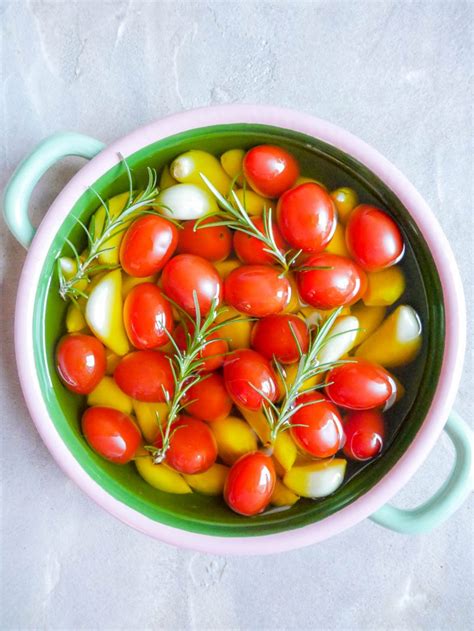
442, 401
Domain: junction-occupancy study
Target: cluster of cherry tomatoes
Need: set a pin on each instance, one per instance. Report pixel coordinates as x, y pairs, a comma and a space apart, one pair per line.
243, 379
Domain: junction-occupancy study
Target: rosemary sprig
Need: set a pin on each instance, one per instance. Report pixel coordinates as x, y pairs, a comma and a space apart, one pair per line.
186, 365
112, 226
237, 217
278, 417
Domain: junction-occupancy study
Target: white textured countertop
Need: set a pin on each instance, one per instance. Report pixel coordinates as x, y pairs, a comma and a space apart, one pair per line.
397, 74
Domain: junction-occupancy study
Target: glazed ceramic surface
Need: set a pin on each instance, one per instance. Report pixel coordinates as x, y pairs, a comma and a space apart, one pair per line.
334, 157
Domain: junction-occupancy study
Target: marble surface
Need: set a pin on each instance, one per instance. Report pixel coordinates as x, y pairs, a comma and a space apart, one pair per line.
399, 75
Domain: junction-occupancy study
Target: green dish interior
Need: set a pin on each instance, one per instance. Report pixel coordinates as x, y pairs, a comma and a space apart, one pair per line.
195, 512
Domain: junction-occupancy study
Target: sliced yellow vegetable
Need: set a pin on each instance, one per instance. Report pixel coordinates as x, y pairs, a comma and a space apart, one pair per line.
290, 372
317, 479
211, 482
166, 179
108, 394
303, 180
370, 318
234, 438
129, 282
258, 423
75, 320
226, 267
284, 450
116, 205
400, 389
282, 496
294, 305
252, 202
148, 415
186, 201
231, 162
236, 333
345, 200
396, 342
104, 312
161, 477
111, 361
187, 168
384, 287
337, 245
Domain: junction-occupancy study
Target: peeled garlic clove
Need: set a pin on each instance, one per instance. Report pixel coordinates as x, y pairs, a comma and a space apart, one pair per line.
316, 479
186, 201
343, 334
104, 313
396, 342
161, 476
211, 482
187, 168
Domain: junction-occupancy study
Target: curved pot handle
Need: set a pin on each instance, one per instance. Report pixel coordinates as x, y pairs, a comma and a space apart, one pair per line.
20, 187
447, 499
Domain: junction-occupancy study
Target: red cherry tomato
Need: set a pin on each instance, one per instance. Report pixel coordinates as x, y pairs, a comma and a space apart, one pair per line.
147, 245
213, 243
188, 273
251, 250
111, 433
143, 375
343, 283
373, 238
319, 430
210, 400
257, 290
270, 170
250, 484
80, 360
306, 217
193, 448
365, 432
273, 336
147, 316
360, 385
245, 372
213, 351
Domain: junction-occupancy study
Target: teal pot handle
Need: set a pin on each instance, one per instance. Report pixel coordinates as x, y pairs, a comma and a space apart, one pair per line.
447, 499
20, 187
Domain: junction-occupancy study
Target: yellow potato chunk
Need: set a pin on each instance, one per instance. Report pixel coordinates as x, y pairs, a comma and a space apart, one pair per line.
234, 438
161, 477
396, 342
384, 287
108, 394
211, 482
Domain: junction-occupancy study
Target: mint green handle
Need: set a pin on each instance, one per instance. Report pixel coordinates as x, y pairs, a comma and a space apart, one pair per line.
20, 187
447, 499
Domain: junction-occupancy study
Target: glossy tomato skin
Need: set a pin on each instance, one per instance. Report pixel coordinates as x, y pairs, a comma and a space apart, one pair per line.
186, 273
80, 361
144, 374
373, 238
360, 385
257, 290
250, 484
245, 372
272, 337
365, 433
320, 432
147, 245
343, 283
213, 243
111, 433
209, 398
270, 170
147, 316
193, 448
213, 352
306, 217
251, 250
